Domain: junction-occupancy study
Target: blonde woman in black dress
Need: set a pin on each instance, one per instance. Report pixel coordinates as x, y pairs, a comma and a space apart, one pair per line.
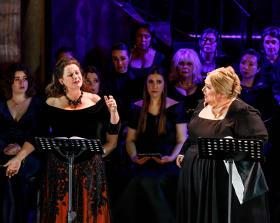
202, 191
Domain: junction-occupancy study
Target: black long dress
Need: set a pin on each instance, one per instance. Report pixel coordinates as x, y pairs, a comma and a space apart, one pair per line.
150, 196
203, 184
18, 194
90, 200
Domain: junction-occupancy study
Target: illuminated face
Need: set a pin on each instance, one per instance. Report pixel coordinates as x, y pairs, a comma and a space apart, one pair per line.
94, 82
185, 69
209, 92
120, 60
248, 66
208, 43
72, 77
155, 85
20, 83
271, 45
143, 39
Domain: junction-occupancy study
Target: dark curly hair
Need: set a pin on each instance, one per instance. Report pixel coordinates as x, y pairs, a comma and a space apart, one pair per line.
9, 79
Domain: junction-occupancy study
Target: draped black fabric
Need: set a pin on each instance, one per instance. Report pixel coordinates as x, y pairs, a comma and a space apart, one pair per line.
90, 200
150, 196
18, 194
203, 184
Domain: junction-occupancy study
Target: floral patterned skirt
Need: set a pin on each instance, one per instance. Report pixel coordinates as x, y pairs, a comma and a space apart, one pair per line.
89, 200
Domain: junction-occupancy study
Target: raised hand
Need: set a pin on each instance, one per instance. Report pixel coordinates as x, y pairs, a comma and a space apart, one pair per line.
111, 103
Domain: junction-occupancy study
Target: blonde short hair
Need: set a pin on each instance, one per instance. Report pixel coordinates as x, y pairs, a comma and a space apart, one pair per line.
225, 81
190, 55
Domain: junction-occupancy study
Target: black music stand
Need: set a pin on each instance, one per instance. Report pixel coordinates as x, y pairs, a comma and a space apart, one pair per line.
70, 149
230, 149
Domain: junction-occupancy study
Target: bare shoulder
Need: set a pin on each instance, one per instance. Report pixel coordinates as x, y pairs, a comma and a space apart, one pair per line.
93, 97
55, 102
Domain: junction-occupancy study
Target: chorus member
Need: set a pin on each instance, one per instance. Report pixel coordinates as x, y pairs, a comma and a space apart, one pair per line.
122, 83
185, 79
64, 51
254, 91
270, 70
210, 52
92, 75
19, 117
144, 54
156, 133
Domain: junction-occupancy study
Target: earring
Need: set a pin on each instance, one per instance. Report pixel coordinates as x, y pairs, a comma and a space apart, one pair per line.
64, 88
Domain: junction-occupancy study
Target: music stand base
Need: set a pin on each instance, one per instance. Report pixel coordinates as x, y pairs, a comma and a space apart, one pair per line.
230, 162
70, 149
230, 149
71, 215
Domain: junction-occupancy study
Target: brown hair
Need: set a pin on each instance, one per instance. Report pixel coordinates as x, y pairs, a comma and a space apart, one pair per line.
55, 88
142, 124
9, 79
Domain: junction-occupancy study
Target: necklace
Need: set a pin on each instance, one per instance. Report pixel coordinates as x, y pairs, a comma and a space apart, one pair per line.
218, 111
74, 102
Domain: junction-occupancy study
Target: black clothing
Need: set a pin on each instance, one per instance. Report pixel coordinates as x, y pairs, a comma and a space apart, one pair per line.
151, 194
18, 194
190, 101
271, 76
122, 87
219, 61
260, 96
202, 190
90, 201
150, 141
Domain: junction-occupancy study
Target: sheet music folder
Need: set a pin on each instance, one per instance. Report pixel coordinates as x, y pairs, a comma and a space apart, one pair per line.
81, 148
230, 148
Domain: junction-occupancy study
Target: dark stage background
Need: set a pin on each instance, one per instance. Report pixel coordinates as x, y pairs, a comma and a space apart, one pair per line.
90, 27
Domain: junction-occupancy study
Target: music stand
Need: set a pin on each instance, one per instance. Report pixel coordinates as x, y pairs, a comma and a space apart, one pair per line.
230, 149
70, 150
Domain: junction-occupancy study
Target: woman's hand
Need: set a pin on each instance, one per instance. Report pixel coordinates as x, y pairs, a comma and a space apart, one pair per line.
179, 160
163, 159
112, 107
13, 166
111, 103
140, 160
12, 149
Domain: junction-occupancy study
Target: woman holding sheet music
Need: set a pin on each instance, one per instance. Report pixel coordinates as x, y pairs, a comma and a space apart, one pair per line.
71, 110
203, 183
156, 133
